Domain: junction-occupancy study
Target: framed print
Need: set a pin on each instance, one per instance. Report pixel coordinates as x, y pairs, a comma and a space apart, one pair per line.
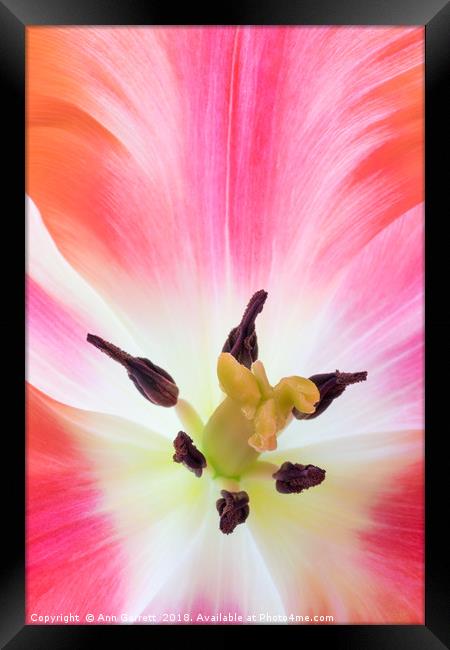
224, 320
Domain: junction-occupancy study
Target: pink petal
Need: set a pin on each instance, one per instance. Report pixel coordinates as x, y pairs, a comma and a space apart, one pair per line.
183, 156
74, 560
394, 547
107, 509
61, 309
374, 322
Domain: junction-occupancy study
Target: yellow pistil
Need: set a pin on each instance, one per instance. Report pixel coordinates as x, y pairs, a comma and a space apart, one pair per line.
239, 384
267, 407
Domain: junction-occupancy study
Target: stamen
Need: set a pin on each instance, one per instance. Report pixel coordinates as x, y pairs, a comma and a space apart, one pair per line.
294, 478
108, 348
242, 341
347, 378
154, 383
330, 385
188, 454
233, 510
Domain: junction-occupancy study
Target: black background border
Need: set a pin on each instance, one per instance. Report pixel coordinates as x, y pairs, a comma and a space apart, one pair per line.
15, 16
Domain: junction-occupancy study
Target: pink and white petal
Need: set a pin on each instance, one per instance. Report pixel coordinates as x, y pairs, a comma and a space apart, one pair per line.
373, 322
74, 561
178, 560
163, 519
107, 165
205, 139
85, 469
351, 547
164, 185
219, 575
305, 184
61, 309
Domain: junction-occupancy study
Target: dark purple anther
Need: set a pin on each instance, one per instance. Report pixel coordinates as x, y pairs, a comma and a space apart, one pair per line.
154, 383
330, 385
242, 343
233, 510
293, 478
188, 454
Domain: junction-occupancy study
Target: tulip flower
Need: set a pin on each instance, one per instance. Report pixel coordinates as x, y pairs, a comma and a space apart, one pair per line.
224, 235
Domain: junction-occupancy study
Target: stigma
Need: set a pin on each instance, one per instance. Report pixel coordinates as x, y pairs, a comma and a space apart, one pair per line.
268, 407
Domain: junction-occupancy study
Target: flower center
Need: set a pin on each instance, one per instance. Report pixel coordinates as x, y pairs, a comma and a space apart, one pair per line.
247, 422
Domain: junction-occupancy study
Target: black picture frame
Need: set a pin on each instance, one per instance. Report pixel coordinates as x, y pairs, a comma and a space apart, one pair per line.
15, 16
